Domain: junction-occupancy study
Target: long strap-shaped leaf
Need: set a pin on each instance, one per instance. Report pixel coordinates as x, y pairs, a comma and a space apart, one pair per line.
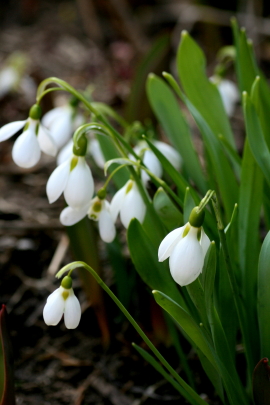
168, 112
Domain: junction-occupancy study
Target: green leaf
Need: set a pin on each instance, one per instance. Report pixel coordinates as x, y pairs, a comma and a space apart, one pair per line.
222, 173
151, 360
245, 63
202, 93
264, 296
255, 135
137, 105
189, 326
189, 204
261, 382
208, 276
166, 210
250, 203
167, 110
145, 258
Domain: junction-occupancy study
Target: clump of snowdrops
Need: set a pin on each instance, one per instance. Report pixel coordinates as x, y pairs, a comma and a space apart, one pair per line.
198, 242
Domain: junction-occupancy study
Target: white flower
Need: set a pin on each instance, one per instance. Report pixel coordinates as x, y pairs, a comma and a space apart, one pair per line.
62, 301
9, 78
74, 179
186, 247
28, 146
61, 122
151, 161
129, 203
98, 210
228, 92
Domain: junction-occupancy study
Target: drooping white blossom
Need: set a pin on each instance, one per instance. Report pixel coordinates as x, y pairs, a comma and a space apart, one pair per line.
129, 203
74, 179
186, 247
228, 92
28, 146
97, 210
62, 122
151, 161
62, 301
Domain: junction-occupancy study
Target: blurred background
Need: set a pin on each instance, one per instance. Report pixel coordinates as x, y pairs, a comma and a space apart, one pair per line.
109, 47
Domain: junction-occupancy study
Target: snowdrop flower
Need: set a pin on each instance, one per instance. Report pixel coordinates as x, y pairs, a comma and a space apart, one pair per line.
228, 92
74, 179
61, 122
151, 161
129, 203
63, 301
98, 210
34, 139
186, 246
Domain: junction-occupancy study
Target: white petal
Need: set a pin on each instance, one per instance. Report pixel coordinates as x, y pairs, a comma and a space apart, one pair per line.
117, 202
52, 116
54, 308
26, 151
9, 77
205, 242
169, 242
58, 181
62, 129
96, 152
10, 129
65, 153
106, 226
186, 260
80, 185
170, 153
132, 206
229, 94
72, 313
70, 216
153, 164
46, 142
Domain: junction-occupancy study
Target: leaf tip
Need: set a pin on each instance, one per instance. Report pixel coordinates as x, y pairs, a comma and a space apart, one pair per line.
184, 34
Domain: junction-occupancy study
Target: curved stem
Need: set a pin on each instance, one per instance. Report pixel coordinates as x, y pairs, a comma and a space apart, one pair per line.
188, 391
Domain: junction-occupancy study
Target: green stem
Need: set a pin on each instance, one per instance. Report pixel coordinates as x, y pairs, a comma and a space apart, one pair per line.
189, 391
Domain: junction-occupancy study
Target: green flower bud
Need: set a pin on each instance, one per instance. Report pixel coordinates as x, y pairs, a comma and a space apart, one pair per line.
35, 112
101, 193
66, 282
196, 217
80, 148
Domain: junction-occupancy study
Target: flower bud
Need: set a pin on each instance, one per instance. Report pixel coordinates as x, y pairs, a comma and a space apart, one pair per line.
196, 217
35, 112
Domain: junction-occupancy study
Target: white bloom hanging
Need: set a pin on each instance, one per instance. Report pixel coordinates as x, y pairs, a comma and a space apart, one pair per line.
63, 301
129, 203
34, 139
151, 161
228, 92
62, 122
97, 210
74, 179
186, 246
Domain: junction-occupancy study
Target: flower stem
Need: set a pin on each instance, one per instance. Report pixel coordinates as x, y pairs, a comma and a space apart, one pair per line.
188, 392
